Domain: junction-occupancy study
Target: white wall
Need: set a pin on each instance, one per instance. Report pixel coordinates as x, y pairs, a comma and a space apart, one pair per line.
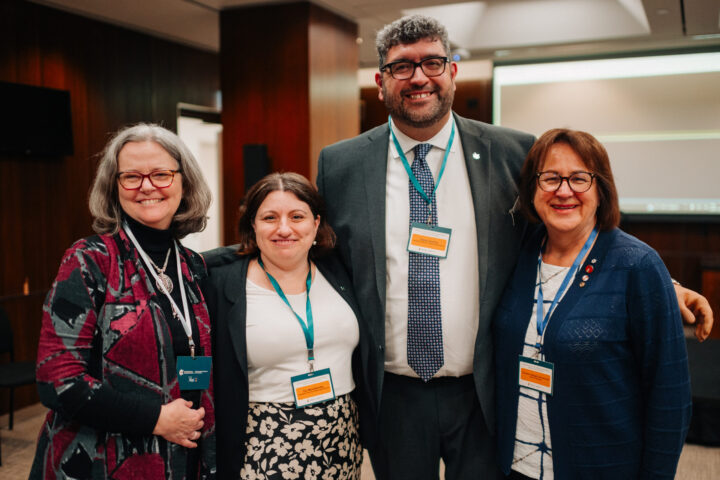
204, 141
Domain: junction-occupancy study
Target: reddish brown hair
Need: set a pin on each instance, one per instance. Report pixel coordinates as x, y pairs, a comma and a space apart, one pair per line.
596, 159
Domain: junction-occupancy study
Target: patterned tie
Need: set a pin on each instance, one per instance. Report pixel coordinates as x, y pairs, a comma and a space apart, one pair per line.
424, 344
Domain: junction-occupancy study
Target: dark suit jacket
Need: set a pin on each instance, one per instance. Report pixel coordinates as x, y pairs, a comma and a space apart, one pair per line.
352, 178
224, 291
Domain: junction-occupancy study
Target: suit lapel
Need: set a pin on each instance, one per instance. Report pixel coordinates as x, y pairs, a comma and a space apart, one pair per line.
477, 160
374, 161
235, 294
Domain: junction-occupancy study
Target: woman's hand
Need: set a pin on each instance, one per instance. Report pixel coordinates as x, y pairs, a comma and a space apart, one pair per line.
179, 423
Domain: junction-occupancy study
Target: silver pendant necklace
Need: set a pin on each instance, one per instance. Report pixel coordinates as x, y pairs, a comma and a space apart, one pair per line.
163, 282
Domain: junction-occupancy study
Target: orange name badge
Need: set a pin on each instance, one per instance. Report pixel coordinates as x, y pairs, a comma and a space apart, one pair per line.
536, 374
313, 387
429, 240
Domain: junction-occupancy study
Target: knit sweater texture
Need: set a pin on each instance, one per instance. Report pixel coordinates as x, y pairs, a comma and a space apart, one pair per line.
621, 403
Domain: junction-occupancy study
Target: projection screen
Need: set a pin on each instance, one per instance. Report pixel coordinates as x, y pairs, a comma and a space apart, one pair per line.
658, 117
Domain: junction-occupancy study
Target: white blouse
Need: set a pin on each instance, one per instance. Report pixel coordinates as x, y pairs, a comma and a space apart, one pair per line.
533, 448
276, 348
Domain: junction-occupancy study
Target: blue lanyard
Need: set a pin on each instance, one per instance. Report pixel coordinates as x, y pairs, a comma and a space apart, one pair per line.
308, 329
542, 321
414, 180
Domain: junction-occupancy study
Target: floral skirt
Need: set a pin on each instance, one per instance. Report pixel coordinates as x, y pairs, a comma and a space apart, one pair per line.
318, 442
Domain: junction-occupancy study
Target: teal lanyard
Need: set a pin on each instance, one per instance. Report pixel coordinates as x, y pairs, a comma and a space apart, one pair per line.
414, 180
308, 329
542, 320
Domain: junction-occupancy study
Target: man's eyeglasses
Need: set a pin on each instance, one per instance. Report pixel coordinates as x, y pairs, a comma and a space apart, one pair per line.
404, 69
579, 182
158, 179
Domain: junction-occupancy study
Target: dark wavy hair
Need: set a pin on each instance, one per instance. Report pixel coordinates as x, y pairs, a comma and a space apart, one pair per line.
283, 182
596, 159
409, 30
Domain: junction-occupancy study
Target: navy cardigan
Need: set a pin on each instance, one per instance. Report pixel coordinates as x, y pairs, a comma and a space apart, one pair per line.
621, 403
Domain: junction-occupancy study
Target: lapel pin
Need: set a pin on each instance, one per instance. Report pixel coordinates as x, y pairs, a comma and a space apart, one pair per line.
476, 156
582, 284
585, 278
589, 269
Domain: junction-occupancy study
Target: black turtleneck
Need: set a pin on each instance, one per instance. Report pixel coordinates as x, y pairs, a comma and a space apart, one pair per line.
156, 244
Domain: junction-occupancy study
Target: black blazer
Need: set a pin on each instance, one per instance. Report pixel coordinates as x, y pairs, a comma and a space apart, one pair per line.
224, 291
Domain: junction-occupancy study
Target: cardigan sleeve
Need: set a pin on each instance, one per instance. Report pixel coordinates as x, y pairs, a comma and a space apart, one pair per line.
69, 352
659, 344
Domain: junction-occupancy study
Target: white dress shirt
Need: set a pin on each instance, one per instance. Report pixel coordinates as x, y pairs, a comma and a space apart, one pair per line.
459, 283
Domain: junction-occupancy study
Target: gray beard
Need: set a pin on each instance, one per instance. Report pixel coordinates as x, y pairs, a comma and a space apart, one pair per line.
398, 111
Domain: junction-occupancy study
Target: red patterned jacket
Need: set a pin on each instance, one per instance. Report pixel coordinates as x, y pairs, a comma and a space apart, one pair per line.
106, 365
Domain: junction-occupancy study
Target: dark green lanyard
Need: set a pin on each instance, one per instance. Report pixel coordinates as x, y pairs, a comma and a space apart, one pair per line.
406, 164
308, 329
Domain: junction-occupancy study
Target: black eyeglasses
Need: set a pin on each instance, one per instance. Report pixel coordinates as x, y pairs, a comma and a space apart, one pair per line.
579, 182
404, 69
158, 179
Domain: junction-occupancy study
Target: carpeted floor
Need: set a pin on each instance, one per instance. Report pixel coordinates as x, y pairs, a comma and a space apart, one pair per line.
18, 449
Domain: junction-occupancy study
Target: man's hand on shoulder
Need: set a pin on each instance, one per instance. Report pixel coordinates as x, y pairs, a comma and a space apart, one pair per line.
695, 310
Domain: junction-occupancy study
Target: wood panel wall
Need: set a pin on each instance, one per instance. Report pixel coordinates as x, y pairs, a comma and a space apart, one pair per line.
115, 77
294, 90
334, 104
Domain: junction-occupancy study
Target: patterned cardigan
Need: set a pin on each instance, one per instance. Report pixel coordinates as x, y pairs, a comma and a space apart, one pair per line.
106, 365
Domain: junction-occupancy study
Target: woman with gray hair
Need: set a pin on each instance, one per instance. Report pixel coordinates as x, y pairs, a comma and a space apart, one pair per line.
124, 353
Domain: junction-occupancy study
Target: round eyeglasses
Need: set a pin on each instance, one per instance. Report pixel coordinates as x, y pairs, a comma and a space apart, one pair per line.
579, 182
404, 69
158, 179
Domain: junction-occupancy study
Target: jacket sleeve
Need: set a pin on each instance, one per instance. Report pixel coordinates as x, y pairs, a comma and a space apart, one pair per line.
660, 350
69, 365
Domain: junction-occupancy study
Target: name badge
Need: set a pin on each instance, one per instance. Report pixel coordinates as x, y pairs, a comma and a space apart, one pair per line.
427, 240
194, 372
313, 387
536, 374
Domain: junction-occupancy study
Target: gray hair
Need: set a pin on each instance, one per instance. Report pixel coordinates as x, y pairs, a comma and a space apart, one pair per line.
104, 204
408, 30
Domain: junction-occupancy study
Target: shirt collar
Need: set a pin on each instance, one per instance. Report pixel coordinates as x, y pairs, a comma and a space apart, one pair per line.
440, 140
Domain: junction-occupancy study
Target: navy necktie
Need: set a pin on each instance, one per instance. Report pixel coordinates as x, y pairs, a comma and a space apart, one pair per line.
424, 336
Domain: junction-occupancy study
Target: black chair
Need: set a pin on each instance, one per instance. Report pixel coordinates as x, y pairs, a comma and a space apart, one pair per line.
13, 374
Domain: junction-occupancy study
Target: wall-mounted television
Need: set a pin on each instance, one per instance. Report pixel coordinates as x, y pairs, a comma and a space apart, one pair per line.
658, 117
35, 121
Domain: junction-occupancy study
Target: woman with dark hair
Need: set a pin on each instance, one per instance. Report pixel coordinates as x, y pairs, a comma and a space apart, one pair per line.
286, 332
124, 320
592, 373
